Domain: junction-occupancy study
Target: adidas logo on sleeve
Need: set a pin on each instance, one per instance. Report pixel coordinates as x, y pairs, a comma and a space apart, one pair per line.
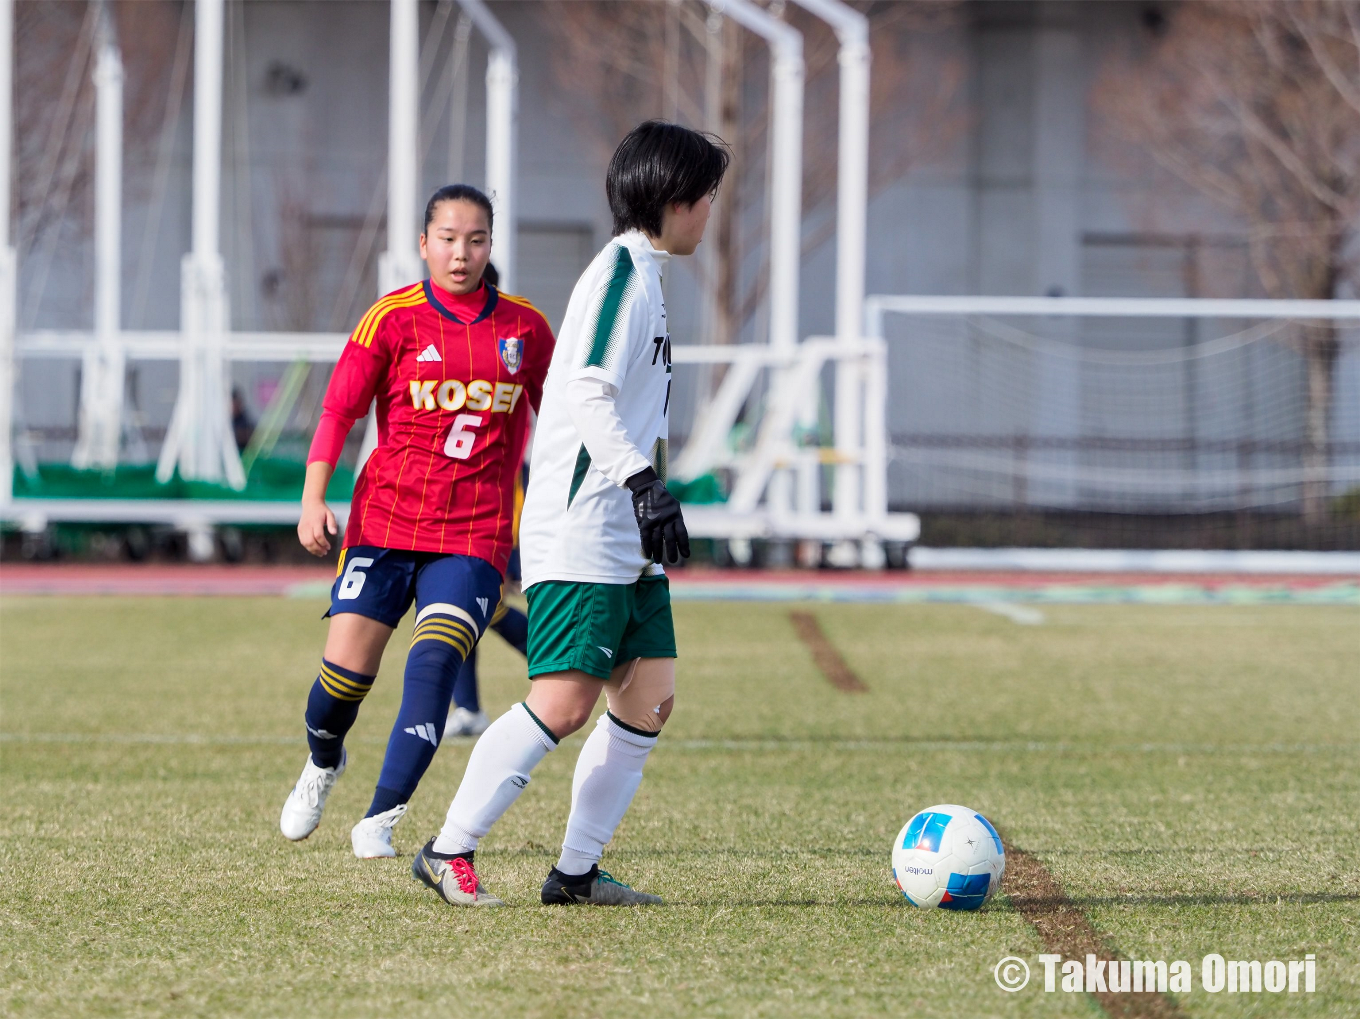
429, 354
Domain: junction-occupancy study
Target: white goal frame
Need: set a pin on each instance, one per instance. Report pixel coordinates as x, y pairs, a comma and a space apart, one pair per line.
879, 306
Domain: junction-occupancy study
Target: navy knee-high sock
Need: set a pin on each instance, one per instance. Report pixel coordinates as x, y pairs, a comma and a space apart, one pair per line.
332, 707
438, 649
465, 693
514, 627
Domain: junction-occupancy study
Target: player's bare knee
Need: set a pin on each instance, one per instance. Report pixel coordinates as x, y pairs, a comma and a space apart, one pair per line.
571, 718
563, 701
356, 642
561, 717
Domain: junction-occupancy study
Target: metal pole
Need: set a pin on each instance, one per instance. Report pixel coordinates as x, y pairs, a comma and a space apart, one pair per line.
101, 400
709, 255
458, 99
200, 441
852, 199
786, 197
875, 456
400, 265
207, 168
786, 174
6, 112
108, 227
8, 292
502, 136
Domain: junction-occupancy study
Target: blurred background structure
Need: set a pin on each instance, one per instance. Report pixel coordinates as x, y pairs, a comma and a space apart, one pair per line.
205, 195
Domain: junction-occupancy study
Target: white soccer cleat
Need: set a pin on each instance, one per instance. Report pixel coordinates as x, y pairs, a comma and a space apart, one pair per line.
372, 837
463, 722
302, 810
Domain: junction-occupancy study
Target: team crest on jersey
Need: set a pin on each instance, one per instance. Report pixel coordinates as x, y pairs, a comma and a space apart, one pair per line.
511, 350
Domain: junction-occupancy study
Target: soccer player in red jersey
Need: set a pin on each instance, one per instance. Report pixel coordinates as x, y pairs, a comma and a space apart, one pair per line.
455, 367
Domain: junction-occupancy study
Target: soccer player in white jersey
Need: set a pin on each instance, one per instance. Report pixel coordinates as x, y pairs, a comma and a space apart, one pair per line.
597, 523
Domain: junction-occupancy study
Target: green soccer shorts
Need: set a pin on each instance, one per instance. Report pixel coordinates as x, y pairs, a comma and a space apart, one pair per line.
598, 627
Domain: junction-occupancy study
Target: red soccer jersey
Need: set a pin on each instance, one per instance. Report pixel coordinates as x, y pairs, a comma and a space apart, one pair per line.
454, 378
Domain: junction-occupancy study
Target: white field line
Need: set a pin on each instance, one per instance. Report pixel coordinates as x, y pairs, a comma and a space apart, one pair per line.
738, 744
1022, 614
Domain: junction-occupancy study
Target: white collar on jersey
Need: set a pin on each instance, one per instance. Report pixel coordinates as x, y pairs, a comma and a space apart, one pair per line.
636, 241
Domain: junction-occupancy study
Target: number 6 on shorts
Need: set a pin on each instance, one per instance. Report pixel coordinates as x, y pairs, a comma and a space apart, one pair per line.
460, 440
353, 580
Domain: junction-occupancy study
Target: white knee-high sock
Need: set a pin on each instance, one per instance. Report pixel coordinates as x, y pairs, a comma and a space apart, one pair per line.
497, 772
608, 773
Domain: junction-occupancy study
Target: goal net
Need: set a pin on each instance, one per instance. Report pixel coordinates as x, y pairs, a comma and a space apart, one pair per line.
1147, 407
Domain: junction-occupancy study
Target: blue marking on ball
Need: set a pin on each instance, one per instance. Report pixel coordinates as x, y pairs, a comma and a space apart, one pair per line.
965, 891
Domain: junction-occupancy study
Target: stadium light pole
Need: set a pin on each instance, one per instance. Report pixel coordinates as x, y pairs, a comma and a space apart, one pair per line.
502, 135
200, 441
852, 200
102, 375
8, 290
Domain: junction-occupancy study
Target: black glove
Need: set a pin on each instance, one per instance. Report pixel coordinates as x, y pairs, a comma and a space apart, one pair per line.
658, 518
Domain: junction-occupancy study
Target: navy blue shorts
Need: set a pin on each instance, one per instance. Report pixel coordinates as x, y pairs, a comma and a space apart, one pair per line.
381, 583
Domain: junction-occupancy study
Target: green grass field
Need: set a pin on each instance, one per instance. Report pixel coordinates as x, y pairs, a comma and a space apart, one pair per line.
1191, 776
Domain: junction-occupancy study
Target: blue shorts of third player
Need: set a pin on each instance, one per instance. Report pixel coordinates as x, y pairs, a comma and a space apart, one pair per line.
381, 583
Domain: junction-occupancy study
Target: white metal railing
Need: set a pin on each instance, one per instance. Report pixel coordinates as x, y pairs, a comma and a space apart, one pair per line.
157, 345
778, 451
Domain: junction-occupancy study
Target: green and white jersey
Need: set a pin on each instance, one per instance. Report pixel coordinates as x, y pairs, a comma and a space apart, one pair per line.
602, 420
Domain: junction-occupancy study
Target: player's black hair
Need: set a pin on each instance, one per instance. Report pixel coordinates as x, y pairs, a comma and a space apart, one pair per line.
491, 274
458, 193
659, 163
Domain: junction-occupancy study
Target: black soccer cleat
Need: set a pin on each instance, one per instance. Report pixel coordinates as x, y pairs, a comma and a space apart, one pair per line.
593, 888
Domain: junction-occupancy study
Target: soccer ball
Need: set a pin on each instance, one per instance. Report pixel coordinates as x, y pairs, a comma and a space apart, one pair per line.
948, 856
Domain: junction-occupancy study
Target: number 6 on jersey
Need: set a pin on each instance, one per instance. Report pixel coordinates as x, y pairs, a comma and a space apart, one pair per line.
461, 437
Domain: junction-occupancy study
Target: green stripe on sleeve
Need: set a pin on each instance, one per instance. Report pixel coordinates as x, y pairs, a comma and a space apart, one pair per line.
609, 308
659, 457
579, 474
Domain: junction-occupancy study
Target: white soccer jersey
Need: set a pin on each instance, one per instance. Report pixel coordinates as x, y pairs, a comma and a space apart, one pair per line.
578, 522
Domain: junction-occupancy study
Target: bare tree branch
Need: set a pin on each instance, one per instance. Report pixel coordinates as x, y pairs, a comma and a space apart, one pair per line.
613, 60
1281, 150
1257, 105
1345, 87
